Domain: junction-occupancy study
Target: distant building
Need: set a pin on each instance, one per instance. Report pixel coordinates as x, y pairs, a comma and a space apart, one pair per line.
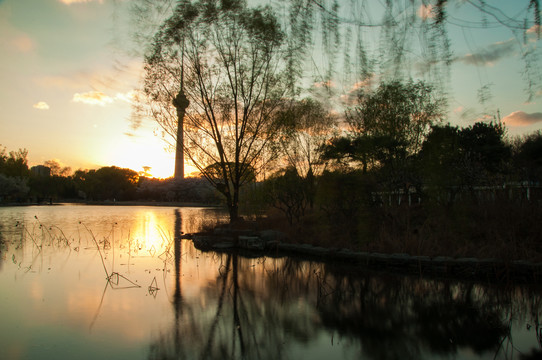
41, 170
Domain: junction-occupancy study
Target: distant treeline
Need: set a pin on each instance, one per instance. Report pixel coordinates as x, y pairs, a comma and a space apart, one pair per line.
450, 161
51, 183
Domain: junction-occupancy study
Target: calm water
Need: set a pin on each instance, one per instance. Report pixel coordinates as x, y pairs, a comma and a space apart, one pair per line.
82, 282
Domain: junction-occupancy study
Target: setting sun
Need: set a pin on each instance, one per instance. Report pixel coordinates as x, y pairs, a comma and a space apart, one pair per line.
144, 152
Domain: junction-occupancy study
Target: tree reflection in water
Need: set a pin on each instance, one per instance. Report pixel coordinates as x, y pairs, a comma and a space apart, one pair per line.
273, 309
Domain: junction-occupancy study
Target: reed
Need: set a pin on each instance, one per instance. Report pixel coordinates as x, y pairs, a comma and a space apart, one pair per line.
98, 248
501, 229
25, 230
62, 232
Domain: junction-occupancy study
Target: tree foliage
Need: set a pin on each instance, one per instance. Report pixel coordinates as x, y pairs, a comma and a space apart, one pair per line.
528, 157
400, 112
13, 174
108, 183
387, 127
454, 159
14, 163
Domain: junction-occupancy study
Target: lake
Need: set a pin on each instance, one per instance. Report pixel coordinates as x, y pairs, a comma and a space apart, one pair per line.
117, 282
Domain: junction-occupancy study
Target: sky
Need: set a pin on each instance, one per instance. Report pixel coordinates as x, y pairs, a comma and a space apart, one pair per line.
66, 88
67, 83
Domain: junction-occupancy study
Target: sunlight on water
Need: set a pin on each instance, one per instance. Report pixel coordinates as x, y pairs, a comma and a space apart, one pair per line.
118, 283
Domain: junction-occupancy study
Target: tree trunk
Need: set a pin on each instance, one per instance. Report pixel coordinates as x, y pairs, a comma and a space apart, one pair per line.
234, 212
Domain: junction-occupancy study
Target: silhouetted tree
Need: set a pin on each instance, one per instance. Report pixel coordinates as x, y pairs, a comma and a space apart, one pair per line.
453, 159
12, 188
228, 57
484, 154
14, 175
15, 163
305, 126
400, 114
387, 127
290, 193
528, 157
57, 169
441, 163
107, 183
327, 43
484, 144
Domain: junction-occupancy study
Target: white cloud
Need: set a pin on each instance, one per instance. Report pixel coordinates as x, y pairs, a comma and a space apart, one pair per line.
42, 105
521, 118
100, 98
129, 97
92, 98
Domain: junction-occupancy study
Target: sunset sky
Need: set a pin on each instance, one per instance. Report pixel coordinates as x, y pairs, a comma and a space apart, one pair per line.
66, 83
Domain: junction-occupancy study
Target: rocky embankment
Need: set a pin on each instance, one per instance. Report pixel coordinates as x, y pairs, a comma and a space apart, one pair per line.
275, 244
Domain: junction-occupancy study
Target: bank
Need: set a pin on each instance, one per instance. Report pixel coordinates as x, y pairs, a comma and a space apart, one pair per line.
275, 244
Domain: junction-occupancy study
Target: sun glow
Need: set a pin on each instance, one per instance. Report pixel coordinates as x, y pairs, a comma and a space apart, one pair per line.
150, 231
145, 153
138, 152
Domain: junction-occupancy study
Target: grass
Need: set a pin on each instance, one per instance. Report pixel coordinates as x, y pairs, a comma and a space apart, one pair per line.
500, 229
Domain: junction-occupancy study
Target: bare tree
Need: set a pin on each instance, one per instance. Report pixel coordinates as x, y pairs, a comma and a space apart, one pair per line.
305, 125
57, 169
225, 59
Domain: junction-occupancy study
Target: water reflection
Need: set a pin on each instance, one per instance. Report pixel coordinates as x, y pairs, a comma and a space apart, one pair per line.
280, 310
121, 283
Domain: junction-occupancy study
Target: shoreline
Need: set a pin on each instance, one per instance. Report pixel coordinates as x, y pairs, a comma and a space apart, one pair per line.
275, 244
268, 243
116, 203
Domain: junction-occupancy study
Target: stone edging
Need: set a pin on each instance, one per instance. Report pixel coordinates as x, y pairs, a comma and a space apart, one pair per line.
490, 269
252, 244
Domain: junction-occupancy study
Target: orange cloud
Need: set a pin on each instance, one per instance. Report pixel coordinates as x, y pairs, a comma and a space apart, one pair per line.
425, 12
69, 2
458, 109
535, 29
24, 44
350, 98
75, 81
491, 54
324, 84
521, 118
92, 98
42, 105
118, 80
